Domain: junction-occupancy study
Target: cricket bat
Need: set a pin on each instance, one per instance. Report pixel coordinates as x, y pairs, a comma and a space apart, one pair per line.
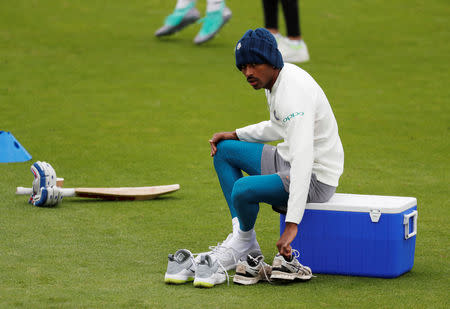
122, 193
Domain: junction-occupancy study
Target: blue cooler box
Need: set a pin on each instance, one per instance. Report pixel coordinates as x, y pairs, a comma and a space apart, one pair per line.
359, 235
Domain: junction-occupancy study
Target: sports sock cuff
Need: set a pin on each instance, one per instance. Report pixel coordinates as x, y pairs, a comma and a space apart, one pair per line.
247, 235
181, 4
214, 5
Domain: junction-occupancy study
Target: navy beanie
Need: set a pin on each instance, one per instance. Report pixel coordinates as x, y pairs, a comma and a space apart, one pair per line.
258, 46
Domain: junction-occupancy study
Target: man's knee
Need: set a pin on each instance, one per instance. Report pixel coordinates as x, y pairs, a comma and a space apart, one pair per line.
243, 191
224, 149
226, 145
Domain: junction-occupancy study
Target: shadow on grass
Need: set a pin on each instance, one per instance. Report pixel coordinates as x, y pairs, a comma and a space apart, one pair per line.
178, 41
140, 202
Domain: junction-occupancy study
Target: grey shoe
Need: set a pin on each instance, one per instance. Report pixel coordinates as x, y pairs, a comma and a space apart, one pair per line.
180, 268
212, 23
209, 272
252, 269
178, 20
283, 269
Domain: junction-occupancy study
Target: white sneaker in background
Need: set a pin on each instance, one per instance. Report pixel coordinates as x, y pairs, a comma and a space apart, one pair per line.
179, 19
212, 23
278, 37
294, 51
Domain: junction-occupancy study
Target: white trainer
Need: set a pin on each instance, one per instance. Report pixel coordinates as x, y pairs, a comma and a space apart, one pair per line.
209, 272
180, 267
211, 248
227, 255
252, 269
292, 51
285, 270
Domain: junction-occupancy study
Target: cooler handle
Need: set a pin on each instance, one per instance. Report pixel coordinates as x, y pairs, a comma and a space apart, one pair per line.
406, 220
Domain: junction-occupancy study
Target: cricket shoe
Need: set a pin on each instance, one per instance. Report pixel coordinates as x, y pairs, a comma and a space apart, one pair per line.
224, 243
229, 256
180, 268
212, 23
290, 270
178, 20
293, 51
209, 272
252, 269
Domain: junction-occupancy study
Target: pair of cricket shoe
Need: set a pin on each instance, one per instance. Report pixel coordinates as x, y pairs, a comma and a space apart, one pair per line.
253, 269
181, 18
294, 51
291, 51
211, 268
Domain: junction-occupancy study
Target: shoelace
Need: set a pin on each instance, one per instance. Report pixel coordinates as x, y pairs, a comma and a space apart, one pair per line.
223, 249
218, 249
194, 264
226, 273
262, 265
301, 267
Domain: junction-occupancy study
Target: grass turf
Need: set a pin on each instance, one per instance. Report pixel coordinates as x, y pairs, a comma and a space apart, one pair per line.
85, 86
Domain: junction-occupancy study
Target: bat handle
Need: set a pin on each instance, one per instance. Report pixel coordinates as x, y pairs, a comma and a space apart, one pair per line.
28, 191
24, 191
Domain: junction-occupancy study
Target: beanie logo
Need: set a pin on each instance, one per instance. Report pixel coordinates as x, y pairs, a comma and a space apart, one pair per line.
238, 46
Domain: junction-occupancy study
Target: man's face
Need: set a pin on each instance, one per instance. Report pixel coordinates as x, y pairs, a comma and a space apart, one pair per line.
259, 75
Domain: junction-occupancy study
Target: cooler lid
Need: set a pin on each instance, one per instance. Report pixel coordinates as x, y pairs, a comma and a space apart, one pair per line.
365, 203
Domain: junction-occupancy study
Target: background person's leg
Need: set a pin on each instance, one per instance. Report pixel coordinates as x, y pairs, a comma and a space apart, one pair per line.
292, 18
270, 9
231, 159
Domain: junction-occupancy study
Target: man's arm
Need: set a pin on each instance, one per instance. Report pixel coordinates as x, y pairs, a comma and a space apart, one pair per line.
300, 135
217, 137
265, 131
284, 243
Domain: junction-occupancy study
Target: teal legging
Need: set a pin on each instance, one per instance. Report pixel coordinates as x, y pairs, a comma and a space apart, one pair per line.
243, 194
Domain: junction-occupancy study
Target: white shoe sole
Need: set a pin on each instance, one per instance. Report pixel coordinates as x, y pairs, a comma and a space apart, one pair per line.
193, 16
176, 279
245, 280
205, 282
280, 275
226, 17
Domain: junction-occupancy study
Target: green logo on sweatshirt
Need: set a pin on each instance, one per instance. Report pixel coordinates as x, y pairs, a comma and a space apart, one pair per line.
290, 116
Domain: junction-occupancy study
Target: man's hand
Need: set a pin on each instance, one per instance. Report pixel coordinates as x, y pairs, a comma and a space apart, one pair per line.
220, 137
284, 244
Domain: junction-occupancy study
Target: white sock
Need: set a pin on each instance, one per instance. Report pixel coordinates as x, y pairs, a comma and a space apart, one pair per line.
235, 222
295, 42
243, 241
181, 4
213, 5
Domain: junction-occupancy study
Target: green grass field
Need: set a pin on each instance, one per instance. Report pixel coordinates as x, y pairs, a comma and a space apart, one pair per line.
85, 86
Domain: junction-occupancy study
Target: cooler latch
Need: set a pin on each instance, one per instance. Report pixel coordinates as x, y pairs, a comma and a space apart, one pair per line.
406, 220
375, 215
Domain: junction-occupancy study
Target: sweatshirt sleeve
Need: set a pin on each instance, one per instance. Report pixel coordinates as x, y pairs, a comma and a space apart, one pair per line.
300, 136
265, 131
